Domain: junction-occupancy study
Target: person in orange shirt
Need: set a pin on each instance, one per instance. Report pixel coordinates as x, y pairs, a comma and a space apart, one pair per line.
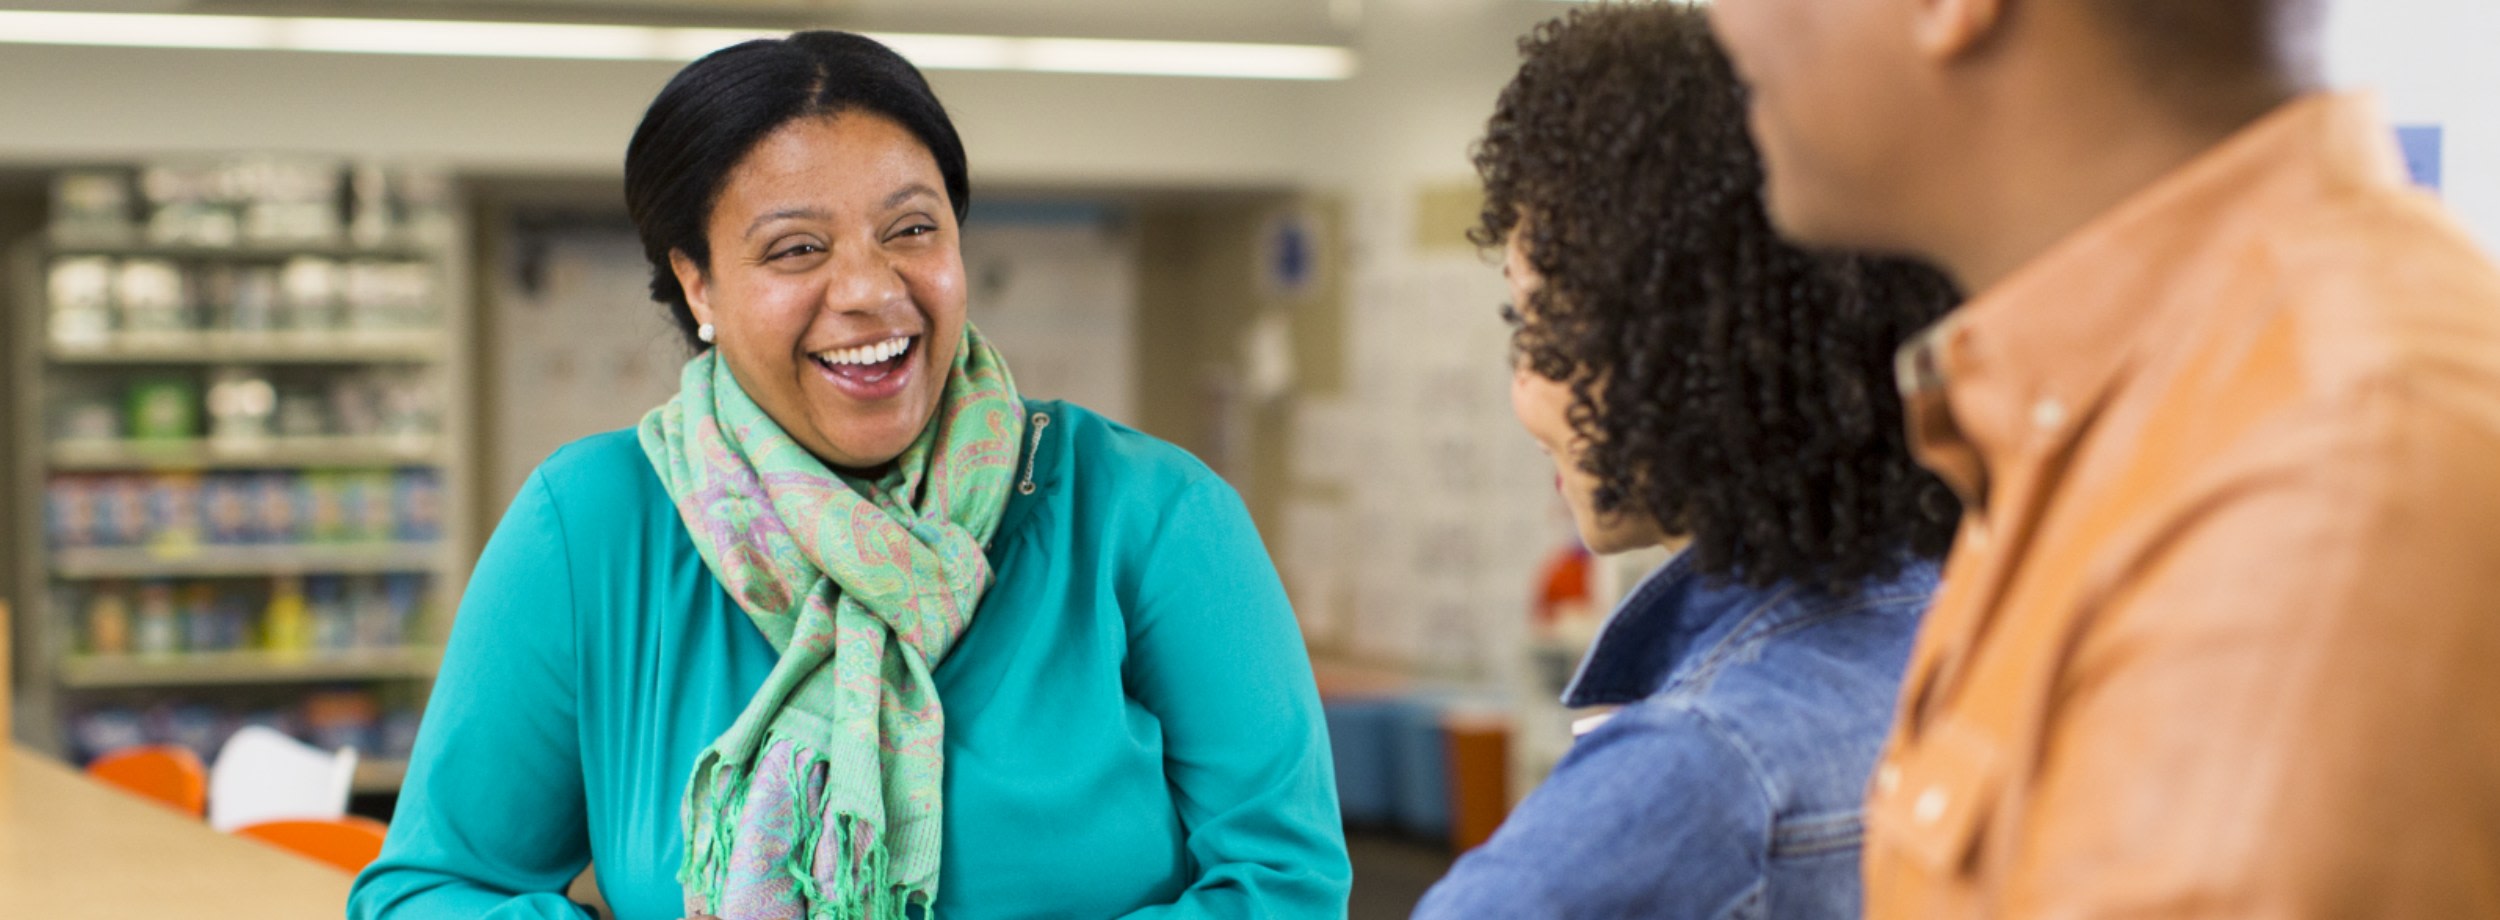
2218, 636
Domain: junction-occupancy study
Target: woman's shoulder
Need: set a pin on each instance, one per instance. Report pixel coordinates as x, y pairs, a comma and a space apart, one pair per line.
600, 483
1108, 460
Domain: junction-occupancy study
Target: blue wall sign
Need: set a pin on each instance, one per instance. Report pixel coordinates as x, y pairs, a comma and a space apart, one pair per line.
2421, 145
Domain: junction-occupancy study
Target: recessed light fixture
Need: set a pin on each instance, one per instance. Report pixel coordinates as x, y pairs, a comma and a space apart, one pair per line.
657, 43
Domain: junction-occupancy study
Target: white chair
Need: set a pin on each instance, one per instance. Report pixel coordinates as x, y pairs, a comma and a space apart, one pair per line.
263, 775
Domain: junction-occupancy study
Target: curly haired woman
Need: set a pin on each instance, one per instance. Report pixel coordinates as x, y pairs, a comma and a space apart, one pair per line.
1693, 376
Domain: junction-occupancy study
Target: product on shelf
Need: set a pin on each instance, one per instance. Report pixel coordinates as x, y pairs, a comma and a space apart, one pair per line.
342, 719
399, 733
330, 719
321, 613
107, 730
91, 205
383, 608
164, 408
278, 507
302, 412
123, 511
333, 622
286, 626
175, 515
226, 508
251, 305
149, 297
242, 404
108, 621
90, 417
180, 510
308, 294
72, 512
159, 624
418, 501
201, 631
81, 293
199, 727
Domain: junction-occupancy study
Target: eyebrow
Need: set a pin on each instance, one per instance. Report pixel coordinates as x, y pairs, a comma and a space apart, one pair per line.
785, 213
906, 193
909, 192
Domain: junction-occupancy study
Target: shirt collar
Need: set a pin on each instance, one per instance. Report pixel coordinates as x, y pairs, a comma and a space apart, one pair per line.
1665, 617
2029, 357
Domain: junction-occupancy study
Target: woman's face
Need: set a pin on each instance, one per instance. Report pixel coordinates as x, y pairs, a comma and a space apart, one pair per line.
1543, 406
836, 284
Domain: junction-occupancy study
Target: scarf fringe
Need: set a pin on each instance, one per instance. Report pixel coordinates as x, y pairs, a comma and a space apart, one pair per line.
863, 884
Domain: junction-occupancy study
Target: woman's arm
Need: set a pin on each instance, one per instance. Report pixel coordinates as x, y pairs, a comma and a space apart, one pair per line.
1657, 813
1215, 654
491, 822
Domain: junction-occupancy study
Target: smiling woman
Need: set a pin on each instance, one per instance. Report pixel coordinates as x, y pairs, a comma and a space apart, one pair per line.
850, 628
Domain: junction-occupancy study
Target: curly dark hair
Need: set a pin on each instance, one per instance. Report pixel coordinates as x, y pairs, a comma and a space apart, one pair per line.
1731, 386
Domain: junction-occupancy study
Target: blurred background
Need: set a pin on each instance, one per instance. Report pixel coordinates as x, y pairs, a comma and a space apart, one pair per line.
298, 292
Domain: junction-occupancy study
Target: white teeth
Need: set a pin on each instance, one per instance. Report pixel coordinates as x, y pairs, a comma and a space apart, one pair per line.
867, 354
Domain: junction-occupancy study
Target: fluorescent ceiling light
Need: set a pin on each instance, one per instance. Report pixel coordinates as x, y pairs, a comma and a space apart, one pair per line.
652, 43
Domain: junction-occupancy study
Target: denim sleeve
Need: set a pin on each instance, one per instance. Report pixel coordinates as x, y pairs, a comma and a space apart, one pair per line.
491, 821
1659, 813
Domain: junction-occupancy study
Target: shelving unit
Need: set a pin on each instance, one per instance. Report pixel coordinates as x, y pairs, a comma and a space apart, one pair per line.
242, 561
269, 453
203, 669
66, 672
255, 348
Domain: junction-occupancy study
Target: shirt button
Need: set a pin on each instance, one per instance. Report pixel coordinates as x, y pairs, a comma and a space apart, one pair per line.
1930, 805
1887, 779
2048, 413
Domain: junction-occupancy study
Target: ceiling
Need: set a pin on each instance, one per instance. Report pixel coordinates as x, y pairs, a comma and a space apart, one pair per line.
1291, 21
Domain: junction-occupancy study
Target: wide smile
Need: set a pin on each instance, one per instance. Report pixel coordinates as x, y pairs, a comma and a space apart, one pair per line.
871, 371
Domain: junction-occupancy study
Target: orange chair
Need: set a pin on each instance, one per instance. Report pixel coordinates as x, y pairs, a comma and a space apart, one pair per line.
164, 772
350, 843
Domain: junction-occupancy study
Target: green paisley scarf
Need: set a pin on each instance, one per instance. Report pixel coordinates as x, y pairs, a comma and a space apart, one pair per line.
823, 799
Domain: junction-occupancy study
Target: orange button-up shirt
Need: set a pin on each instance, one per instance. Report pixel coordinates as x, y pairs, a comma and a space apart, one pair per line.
2221, 637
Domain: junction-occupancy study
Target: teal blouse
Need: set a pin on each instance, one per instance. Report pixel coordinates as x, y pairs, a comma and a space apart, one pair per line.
1132, 729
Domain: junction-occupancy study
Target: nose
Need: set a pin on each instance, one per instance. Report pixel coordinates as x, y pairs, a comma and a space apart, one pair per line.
864, 280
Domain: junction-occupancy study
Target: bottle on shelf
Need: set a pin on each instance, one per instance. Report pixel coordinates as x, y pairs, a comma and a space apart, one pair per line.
159, 629
108, 621
287, 625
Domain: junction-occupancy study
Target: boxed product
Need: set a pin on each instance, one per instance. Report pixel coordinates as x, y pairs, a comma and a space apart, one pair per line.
81, 294
163, 408
73, 511
280, 511
122, 506
226, 510
174, 509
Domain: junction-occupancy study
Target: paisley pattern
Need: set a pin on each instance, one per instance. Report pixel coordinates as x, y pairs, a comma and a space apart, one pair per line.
823, 798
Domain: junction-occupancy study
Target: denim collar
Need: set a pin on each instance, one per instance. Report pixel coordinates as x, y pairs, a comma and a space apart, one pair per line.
1672, 613
1673, 624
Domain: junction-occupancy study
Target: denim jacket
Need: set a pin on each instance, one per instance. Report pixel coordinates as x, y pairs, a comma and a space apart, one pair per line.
1728, 784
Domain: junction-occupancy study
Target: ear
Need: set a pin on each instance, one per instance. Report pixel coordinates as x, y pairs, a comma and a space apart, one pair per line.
1951, 29
696, 282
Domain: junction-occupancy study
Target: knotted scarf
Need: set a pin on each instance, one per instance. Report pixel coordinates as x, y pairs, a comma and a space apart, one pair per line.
823, 800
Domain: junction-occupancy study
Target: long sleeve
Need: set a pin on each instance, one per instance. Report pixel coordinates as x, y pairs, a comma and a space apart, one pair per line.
1657, 813
1215, 654
491, 822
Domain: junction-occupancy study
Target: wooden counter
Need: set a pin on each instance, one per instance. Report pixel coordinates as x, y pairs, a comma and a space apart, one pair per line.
72, 849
